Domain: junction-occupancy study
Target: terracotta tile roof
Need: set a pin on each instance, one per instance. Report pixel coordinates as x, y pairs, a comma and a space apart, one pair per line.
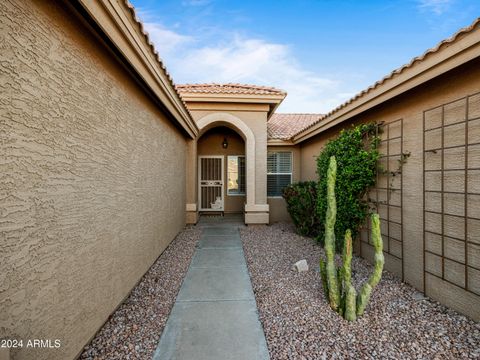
443, 44
140, 26
285, 126
230, 88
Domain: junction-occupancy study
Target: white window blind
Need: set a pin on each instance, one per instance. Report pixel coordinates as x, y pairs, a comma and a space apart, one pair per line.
279, 172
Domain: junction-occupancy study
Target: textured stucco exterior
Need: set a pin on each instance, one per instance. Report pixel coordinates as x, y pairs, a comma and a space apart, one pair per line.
410, 108
90, 188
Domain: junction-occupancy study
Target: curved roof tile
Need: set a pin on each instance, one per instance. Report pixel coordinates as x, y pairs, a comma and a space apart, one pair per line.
285, 126
230, 88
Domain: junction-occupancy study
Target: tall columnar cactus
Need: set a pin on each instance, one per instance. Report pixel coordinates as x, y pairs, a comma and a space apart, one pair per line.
337, 283
331, 271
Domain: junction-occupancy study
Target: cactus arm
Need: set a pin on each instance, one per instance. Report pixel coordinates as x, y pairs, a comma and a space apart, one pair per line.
323, 274
331, 271
363, 298
347, 259
341, 291
350, 303
378, 245
340, 283
350, 294
366, 290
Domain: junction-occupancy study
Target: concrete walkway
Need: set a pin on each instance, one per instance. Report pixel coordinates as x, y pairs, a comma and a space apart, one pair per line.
215, 314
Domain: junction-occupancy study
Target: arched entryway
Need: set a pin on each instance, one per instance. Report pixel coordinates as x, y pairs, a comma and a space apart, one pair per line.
244, 192
232, 122
221, 171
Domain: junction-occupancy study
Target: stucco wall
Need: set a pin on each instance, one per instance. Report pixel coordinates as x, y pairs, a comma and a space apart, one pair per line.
410, 107
90, 188
211, 144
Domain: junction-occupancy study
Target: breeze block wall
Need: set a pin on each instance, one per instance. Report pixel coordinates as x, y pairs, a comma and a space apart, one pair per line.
92, 189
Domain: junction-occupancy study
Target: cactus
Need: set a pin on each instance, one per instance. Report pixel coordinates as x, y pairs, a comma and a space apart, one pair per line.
337, 283
331, 271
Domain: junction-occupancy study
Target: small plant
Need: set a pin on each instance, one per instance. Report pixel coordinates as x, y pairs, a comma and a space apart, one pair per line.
301, 199
337, 282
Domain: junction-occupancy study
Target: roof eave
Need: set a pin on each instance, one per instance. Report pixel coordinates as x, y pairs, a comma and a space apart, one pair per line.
437, 63
273, 100
279, 142
117, 22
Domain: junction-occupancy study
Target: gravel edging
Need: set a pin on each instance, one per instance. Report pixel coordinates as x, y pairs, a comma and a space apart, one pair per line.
299, 324
134, 329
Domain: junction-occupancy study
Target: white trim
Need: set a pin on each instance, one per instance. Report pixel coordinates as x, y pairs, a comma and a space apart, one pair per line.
222, 162
220, 118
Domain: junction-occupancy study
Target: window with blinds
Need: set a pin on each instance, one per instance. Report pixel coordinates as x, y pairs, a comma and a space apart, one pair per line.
279, 172
236, 175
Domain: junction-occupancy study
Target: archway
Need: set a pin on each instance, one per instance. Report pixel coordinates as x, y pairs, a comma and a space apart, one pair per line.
228, 120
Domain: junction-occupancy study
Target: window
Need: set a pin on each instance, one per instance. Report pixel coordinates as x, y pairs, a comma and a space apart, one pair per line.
279, 172
236, 175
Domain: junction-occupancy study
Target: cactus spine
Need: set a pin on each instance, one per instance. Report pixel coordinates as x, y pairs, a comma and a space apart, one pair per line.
337, 283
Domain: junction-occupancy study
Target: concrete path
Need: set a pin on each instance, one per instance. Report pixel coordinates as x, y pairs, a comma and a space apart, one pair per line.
215, 314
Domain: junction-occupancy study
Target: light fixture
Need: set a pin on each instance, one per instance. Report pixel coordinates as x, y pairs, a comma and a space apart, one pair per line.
225, 143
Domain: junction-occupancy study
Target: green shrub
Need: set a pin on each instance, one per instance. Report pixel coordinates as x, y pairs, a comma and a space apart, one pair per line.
356, 152
301, 199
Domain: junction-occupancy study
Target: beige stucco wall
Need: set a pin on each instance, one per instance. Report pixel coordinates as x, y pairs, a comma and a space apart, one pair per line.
457, 84
278, 207
211, 144
90, 188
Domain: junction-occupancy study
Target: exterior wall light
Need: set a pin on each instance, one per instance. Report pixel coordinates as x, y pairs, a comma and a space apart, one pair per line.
225, 143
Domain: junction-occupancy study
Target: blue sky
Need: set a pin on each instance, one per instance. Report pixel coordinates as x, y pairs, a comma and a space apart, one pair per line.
321, 52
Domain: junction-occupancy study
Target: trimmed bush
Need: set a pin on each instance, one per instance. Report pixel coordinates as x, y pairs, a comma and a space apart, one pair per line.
301, 199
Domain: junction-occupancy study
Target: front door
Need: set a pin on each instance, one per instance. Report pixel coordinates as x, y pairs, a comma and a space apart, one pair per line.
210, 175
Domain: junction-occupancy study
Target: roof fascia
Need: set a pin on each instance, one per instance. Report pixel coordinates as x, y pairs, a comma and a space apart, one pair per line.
272, 100
117, 23
279, 142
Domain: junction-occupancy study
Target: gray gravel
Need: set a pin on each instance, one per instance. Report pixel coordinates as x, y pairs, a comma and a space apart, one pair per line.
299, 324
133, 331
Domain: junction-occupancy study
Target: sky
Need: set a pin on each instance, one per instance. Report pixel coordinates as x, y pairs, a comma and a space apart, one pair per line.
321, 52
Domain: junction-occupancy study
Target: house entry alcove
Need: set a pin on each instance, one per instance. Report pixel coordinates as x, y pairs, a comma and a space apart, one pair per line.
221, 171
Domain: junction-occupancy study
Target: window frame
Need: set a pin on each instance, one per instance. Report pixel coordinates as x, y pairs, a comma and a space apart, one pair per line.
227, 177
277, 173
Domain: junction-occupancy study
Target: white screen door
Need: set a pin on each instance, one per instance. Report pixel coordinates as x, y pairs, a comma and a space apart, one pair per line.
210, 175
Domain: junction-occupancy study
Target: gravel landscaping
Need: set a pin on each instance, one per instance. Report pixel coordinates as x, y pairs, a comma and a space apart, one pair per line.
299, 324
133, 331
